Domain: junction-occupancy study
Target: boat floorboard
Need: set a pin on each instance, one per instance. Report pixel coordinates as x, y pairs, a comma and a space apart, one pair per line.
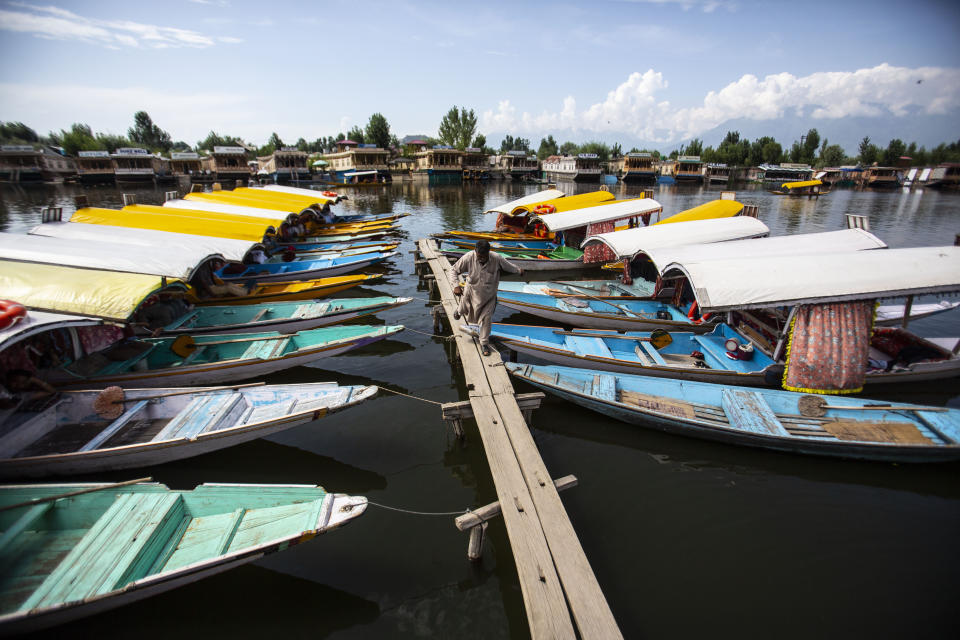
70, 437
28, 561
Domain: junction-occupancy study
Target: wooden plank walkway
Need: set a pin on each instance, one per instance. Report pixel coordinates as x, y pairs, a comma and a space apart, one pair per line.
558, 585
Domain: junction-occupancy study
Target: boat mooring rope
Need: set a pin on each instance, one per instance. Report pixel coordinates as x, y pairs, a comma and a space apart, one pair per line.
432, 335
420, 513
405, 395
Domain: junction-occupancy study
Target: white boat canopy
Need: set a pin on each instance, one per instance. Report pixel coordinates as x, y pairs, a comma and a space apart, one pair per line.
773, 281
201, 245
223, 207
618, 210
300, 191
810, 244
351, 174
631, 242
38, 322
169, 261
508, 207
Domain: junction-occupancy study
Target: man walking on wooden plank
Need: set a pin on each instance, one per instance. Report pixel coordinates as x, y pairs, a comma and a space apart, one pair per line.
477, 304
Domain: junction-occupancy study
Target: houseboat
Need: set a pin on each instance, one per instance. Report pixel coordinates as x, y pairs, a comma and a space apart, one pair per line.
516, 165
185, 165
95, 167
780, 173
945, 176
441, 163
688, 169
24, 163
639, 168
133, 164
845, 176
288, 164
476, 166
227, 163
355, 162
583, 167
401, 168
881, 177
717, 173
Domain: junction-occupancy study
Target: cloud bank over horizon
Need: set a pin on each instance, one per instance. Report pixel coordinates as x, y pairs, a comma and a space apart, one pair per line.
633, 107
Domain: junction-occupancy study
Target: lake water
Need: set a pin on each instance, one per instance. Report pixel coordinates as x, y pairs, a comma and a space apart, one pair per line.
687, 538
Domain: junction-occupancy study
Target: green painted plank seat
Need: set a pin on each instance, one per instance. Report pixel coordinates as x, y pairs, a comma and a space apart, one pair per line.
265, 349
115, 426
748, 411
202, 414
120, 547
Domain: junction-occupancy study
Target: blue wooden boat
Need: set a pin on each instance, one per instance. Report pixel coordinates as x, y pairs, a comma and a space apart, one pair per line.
614, 290
771, 419
92, 431
282, 317
691, 356
507, 246
597, 313
73, 550
560, 259
303, 270
211, 359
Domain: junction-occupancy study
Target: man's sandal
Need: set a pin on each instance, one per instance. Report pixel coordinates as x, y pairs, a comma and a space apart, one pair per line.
486, 351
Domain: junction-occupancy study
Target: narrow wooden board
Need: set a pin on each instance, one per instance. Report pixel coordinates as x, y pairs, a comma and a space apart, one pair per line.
893, 432
658, 404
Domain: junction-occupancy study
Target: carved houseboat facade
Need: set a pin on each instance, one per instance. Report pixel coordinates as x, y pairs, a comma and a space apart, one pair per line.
354, 162
516, 165
285, 165
227, 163
583, 167
639, 168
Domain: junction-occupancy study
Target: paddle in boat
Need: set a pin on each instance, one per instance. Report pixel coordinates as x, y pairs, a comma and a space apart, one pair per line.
89, 431
771, 419
73, 550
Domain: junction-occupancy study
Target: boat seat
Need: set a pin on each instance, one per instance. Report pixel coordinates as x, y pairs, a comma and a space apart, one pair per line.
269, 411
652, 351
604, 387
193, 355
115, 426
265, 349
748, 411
589, 346
120, 547
202, 414
126, 365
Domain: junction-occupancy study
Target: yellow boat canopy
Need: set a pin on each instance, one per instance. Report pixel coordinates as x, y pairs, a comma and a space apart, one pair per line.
228, 197
46, 287
192, 225
568, 203
318, 202
804, 183
707, 211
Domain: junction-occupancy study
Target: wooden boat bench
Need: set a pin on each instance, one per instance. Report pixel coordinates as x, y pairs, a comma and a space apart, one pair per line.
201, 415
265, 349
122, 545
115, 426
589, 346
128, 364
749, 411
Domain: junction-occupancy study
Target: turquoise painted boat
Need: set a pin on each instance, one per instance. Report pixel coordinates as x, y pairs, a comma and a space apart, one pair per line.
66, 556
155, 362
507, 246
837, 426
282, 317
560, 259
597, 313
324, 267
92, 431
605, 289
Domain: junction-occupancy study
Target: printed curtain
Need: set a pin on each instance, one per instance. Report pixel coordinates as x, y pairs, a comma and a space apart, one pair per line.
597, 251
828, 347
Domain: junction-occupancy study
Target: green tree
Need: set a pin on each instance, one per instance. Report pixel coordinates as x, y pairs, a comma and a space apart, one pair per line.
17, 133
548, 147
569, 148
356, 134
894, 150
479, 142
303, 145
868, 152
78, 138
112, 142
695, 148
214, 139
378, 131
771, 152
147, 134
809, 147
457, 127
394, 141
599, 148
831, 155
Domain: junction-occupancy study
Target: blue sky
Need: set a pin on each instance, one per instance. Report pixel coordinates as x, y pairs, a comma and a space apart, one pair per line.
648, 70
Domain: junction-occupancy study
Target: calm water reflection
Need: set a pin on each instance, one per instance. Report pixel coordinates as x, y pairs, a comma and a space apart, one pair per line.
688, 538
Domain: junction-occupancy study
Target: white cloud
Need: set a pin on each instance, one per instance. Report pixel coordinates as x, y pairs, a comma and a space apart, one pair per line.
707, 6
60, 24
634, 106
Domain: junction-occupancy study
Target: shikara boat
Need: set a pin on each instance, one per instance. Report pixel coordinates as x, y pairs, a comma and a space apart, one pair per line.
73, 550
307, 269
811, 188
208, 359
560, 259
605, 289
507, 246
90, 431
282, 317
270, 292
581, 309
256, 211
771, 419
